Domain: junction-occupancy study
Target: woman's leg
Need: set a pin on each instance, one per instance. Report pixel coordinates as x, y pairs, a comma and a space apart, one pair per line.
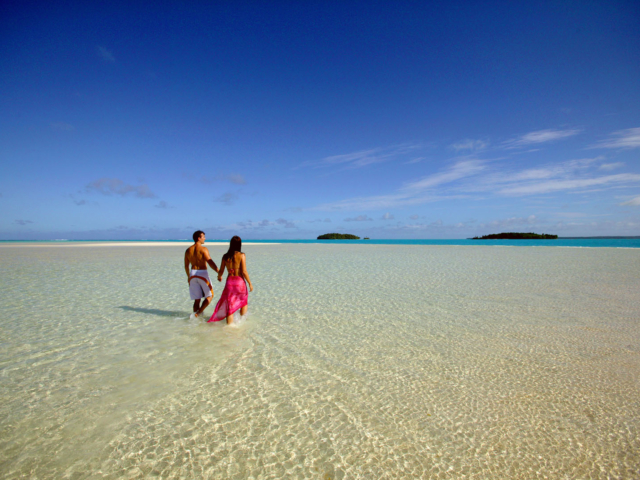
229, 319
243, 310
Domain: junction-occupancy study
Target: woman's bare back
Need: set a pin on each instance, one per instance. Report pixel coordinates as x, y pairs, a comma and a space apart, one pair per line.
234, 264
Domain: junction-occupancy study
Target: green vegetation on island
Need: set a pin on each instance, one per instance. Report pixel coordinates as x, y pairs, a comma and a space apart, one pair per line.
338, 236
517, 236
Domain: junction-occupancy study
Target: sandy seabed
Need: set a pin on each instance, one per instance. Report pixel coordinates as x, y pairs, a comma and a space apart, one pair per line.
356, 361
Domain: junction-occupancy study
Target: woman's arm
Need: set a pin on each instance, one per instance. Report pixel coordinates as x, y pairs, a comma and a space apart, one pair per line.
223, 264
245, 274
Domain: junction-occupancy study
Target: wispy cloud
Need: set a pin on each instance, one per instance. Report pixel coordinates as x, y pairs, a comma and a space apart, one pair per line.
471, 177
623, 139
387, 216
363, 158
539, 136
470, 145
511, 222
414, 160
23, 222
163, 205
285, 223
359, 218
237, 179
461, 169
261, 225
569, 184
611, 166
563, 176
635, 202
115, 186
227, 198
234, 178
412, 193
106, 55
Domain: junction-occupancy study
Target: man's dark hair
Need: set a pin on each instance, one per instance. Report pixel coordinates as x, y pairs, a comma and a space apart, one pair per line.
196, 235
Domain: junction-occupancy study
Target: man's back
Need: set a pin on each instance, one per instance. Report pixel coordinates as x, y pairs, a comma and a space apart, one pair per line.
197, 255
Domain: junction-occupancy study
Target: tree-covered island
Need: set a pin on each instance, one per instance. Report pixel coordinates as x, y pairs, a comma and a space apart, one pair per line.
516, 236
338, 236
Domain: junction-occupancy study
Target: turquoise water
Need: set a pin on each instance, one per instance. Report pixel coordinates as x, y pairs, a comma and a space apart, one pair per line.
561, 242
355, 362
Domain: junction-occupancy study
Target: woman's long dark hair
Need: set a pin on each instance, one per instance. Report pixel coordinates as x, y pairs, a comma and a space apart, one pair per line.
235, 245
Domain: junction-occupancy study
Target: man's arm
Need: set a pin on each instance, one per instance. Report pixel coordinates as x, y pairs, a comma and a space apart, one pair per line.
187, 263
207, 257
221, 271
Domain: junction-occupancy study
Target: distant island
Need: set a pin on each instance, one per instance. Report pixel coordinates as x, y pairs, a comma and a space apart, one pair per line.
338, 236
516, 236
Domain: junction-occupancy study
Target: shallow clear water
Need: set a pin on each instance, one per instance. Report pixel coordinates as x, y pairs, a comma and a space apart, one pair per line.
356, 361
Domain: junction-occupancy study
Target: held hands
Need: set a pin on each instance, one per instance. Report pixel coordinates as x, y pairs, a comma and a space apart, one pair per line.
219, 278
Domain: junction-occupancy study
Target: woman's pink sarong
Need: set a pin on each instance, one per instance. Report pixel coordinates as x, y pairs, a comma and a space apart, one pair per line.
234, 297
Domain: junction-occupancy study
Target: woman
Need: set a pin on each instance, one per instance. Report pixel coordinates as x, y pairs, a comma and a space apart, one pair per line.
234, 296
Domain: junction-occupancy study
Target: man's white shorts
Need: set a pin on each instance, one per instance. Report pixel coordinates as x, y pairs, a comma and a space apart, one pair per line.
200, 285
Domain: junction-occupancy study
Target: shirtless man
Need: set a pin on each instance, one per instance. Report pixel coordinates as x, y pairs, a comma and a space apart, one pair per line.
198, 277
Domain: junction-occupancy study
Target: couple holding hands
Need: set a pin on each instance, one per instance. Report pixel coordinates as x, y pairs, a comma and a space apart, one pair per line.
234, 296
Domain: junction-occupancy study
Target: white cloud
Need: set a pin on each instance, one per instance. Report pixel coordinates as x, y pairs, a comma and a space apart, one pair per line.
459, 170
115, 186
233, 178
227, 198
412, 193
558, 185
539, 136
511, 222
629, 138
471, 145
387, 216
285, 223
611, 166
363, 158
106, 55
470, 177
414, 217
414, 160
359, 218
237, 179
633, 202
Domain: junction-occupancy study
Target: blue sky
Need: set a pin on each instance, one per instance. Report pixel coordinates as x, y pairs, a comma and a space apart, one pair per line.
148, 120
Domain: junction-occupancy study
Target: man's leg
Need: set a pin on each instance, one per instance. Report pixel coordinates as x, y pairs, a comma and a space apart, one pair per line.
196, 305
205, 304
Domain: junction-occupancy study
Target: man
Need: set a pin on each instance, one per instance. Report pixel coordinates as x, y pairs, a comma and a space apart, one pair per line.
198, 277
